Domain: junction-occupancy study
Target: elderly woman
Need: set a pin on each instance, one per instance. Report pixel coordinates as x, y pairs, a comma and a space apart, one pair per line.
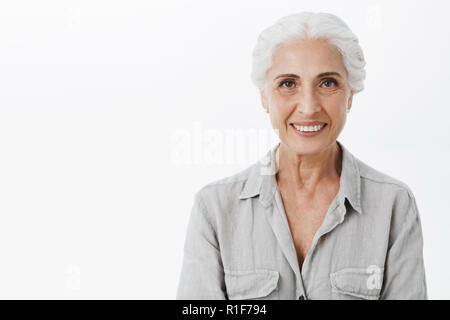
310, 220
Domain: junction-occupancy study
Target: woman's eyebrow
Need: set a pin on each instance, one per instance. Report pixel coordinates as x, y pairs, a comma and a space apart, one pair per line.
324, 74
290, 75
330, 73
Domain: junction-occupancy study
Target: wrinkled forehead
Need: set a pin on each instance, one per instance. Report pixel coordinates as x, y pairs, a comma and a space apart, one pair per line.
306, 58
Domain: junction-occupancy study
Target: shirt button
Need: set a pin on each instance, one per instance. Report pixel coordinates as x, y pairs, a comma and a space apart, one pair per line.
301, 297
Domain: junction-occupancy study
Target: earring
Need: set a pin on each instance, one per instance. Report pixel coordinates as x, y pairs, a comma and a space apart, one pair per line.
348, 110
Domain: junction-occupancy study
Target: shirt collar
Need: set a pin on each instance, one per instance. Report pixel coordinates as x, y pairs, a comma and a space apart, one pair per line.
262, 181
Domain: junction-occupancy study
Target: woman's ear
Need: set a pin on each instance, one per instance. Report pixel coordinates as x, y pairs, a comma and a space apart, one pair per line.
265, 105
349, 102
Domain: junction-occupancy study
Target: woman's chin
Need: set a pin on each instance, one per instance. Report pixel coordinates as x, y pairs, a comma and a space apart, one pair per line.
306, 146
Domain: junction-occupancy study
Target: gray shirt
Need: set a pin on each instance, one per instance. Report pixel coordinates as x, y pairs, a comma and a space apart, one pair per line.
239, 245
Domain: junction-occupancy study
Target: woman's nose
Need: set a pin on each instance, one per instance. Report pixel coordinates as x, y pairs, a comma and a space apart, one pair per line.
308, 102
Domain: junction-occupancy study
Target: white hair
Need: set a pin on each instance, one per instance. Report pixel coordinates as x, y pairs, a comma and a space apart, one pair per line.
309, 25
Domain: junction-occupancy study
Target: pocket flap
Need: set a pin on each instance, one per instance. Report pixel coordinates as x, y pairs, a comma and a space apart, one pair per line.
363, 283
248, 284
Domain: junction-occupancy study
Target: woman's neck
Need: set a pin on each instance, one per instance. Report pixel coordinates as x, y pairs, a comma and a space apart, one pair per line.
304, 171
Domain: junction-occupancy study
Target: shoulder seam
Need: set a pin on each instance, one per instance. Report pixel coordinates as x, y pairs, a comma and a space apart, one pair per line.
205, 212
402, 184
413, 205
212, 184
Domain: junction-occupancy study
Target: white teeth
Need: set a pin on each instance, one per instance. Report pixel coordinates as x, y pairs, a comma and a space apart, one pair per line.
309, 128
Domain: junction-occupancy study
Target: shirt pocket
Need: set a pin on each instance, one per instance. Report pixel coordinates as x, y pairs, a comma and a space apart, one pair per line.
357, 283
258, 284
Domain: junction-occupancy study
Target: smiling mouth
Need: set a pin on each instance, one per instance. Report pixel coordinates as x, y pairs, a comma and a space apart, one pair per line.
309, 129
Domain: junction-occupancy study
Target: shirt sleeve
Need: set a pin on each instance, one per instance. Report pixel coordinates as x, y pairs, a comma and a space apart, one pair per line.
404, 275
202, 274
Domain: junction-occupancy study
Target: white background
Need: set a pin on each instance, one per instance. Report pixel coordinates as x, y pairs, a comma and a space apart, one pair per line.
92, 203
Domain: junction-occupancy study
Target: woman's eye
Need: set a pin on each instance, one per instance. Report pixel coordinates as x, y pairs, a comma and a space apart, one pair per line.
329, 83
287, 84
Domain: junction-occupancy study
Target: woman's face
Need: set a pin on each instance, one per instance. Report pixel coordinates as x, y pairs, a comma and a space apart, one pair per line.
307, 82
